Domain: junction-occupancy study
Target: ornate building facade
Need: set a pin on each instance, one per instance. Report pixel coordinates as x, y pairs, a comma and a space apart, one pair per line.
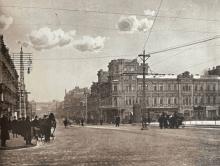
197, 97
8, 83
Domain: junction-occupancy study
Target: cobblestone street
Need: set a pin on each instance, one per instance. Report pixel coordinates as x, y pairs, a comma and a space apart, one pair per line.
124, 146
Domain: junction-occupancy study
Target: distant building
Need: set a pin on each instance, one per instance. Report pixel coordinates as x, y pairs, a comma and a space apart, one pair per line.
8, 83
214, 71
75, 103
31, 109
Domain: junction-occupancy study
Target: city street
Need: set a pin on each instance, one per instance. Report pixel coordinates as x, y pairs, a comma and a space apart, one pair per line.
128, 145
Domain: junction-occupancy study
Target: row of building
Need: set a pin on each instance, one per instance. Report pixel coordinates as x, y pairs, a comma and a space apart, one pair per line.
8, 82
119, 92
10, 91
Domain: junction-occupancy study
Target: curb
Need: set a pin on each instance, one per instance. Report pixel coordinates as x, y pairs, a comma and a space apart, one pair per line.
17, 147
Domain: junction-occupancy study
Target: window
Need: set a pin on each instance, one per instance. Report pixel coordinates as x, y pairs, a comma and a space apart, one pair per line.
213, 87
208, 87
175, 101
201, 88
115, 88
189, 100
147, 101
214, 99
196, 87
155, 101
184, 101
169, 87
169, 101
175, 87
115, 101
161, 87
208, 99
161, 100
196, 100
130, 102
155, 87
201, 100
130, 88
139, 87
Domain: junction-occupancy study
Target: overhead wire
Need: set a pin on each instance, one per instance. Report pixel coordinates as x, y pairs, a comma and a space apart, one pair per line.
106, 12
155, 18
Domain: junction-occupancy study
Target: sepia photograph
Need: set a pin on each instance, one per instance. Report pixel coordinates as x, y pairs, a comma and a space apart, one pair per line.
109, 82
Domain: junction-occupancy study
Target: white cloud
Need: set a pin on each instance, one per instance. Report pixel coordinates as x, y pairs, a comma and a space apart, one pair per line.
5, 22
91, 44
149, 12
131, 24
45, 38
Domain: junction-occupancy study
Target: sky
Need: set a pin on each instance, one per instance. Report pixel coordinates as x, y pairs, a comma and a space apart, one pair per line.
70, 40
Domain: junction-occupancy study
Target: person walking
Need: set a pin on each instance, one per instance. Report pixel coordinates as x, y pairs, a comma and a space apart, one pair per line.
36, 127
28, 130
14, 127
117, 121
4, 123
82, 122
65, 122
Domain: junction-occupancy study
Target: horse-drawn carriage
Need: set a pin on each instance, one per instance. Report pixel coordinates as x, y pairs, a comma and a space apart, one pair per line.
44, 129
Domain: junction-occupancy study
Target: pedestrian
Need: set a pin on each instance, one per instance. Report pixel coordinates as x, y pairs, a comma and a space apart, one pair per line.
161, 121
65, 122
4, 130
47, 129
82, 122
27, 125
117, 121
144, 122
36, 127
14, 127
101, 121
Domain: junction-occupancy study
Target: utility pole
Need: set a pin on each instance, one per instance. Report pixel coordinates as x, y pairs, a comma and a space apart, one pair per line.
144, 58
22, 62
86, 117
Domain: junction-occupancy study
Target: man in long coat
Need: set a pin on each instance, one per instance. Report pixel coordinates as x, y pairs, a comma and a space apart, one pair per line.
4, 130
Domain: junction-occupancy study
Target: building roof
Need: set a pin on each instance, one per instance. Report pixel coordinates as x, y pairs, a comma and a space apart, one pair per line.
173, 76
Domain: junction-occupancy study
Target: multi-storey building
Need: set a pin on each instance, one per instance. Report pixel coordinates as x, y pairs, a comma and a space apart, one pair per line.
75, 103
214, 71
8, 83
121, 94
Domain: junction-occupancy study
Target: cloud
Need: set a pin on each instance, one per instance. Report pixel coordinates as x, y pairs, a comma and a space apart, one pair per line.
149, 12
45, 38
90, 44
131, 24
5, 22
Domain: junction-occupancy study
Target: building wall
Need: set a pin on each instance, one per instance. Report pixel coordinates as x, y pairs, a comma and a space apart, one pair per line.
8, 82
164, 93
75, 103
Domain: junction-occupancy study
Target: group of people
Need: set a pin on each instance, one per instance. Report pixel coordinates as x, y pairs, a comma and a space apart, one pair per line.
27, 128
170, 121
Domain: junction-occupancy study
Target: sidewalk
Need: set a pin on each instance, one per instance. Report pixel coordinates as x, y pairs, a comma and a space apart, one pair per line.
16, 143
138, 126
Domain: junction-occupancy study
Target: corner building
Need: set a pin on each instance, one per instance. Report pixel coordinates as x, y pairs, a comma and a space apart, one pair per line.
197, 97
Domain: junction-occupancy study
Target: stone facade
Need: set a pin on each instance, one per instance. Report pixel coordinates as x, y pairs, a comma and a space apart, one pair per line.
197, 97
214, 71
8, 83
75, 103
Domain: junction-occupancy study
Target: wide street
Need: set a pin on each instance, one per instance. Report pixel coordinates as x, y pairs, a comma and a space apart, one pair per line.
127, 145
